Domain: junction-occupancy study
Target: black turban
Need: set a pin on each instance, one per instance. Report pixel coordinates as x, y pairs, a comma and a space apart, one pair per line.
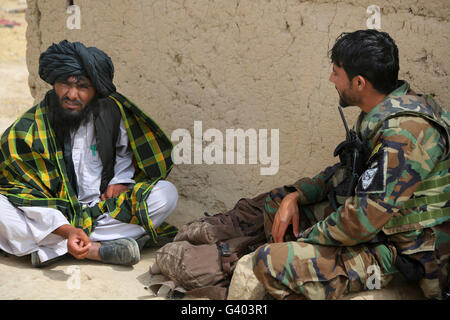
66, 59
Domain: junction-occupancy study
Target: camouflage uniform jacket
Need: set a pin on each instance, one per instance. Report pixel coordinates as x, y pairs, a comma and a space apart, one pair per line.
405, 151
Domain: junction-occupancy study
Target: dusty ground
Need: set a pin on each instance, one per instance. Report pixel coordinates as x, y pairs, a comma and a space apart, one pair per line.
15, 95
73, 279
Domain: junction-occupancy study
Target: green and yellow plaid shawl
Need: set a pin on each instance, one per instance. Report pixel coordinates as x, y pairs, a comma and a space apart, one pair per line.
33, 173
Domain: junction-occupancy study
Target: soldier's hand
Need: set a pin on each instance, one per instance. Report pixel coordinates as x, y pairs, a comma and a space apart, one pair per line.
287, 214
113, 191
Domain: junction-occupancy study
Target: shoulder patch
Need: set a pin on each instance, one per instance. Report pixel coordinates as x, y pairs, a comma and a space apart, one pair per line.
373, 179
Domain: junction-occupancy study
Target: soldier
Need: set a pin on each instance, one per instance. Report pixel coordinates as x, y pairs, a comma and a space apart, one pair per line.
382, 211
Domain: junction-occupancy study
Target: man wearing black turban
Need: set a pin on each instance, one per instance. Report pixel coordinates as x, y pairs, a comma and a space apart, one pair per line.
74, 59
73, 177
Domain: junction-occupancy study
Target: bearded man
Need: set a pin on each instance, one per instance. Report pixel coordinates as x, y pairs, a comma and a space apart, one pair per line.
82, 171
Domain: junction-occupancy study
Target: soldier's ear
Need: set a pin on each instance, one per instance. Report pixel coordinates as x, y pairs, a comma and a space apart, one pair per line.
359, 82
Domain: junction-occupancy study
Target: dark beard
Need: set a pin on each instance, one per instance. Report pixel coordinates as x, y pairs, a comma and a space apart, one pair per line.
343, 103
64, 121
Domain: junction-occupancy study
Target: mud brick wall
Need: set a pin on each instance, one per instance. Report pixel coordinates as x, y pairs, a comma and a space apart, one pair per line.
248, 64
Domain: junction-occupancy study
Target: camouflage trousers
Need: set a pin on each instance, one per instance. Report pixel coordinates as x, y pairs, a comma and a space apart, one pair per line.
296, 269
302, 270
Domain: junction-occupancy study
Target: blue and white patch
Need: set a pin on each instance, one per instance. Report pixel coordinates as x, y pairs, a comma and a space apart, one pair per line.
373, 179
367, 177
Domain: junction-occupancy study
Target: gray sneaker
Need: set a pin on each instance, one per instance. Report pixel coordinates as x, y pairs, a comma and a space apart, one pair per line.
146, 241
123, 251
36, 262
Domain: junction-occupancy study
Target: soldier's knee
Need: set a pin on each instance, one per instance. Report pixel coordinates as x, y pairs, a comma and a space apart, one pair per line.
270, 258
260, 261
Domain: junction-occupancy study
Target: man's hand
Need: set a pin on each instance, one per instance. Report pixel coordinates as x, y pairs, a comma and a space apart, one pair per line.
113, 191
78, 243
287, 214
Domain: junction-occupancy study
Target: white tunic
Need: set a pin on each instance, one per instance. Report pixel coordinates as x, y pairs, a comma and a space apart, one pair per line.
88, 166
27, 229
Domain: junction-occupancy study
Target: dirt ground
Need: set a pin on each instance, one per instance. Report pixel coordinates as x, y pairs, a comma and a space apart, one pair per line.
15, 95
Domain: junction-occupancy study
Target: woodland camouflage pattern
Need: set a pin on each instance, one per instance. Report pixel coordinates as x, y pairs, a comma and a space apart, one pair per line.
408, 136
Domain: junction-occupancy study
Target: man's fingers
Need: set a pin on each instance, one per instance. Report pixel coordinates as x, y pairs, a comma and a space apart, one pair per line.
78, 247
78, 243
278, 230
85, 238
80, 250
275, 230
113, 191
81, 256
118, 191
282, 227
85, 245
295, 225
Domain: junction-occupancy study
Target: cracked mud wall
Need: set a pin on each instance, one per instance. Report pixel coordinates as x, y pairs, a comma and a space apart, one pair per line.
257, 64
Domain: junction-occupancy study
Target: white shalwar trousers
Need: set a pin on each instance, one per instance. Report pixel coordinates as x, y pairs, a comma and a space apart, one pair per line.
24, 230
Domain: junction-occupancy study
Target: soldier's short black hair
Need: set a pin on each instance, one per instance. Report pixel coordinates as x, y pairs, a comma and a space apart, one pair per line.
370, 53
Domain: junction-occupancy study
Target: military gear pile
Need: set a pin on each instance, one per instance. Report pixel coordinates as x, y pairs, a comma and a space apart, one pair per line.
202, 258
